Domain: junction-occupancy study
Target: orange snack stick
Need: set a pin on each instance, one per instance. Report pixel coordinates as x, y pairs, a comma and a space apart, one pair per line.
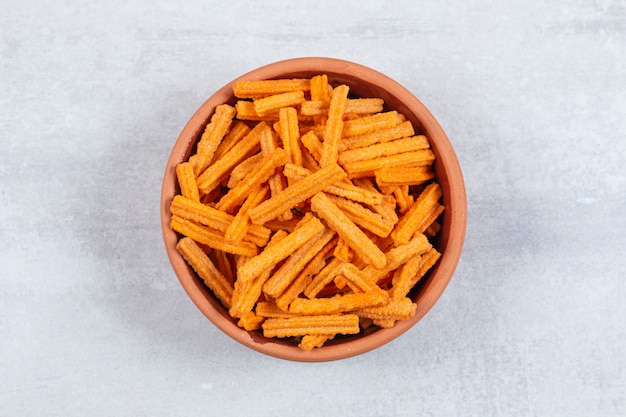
369, 124
368, 166
412, 272
340, 303
334, 125
277, 182
323, 278
271, 256
320, 88
355, 279
211, 237
403, 175
296, 193
247, 111
209, 216
292, 267
187, 181
387, 206
246, 294
213, 175
290, 133
312, 341
397, 256
343, 251
262, 172
250, 321
261, 88
244, 168
200, 262
305, 325
275, 102
238, 228
364, 217
423, 207
212, 136
358, 106
238, 130
347, 230
395, 309
312, 143
269, 309
402, 130
377, 150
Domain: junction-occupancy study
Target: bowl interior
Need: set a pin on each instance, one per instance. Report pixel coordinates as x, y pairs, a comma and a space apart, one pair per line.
363, 82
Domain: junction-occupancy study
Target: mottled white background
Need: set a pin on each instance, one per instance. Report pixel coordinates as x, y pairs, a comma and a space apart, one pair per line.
532, 94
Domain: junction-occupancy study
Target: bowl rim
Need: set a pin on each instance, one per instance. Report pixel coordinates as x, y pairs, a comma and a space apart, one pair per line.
443, 270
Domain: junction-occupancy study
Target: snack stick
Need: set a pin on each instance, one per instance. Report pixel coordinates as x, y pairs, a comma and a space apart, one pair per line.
296, 262
277, 181
323, 278
402, 130
397, 256
238, 228
334, 125
211, 238
430, 218
403, 175
358, 106
244, 168
312, 144
308, 161
238, 130
347, 230
364, 217
246, 294
368, 166
296, 193
312, 341
395, 309
320, 88
269, 309
290, 133
377, 150
262, 172
433, 229
260, 88
212, 136
404, 200
200, 262
368, 124
209, 216
187, 181
419, 211
247, 111
212, 176
412, 272
270, 257
250, 321
356, 280
340, 303
305, 277
275, 102
304, 325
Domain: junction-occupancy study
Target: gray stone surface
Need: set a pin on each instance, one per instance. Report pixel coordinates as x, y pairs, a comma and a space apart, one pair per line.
92, 319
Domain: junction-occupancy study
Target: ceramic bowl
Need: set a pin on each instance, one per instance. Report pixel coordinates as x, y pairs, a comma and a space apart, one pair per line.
364, 82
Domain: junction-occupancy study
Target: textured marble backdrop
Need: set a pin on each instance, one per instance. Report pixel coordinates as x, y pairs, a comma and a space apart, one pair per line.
533, 97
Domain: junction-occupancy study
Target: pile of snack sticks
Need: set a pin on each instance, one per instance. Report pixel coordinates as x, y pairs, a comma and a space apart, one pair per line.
308, 212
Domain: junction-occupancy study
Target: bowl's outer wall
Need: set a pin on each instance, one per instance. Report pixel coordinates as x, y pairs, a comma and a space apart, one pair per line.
363, 82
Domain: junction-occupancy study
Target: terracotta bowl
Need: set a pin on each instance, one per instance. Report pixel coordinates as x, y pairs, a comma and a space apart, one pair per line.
365, 82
